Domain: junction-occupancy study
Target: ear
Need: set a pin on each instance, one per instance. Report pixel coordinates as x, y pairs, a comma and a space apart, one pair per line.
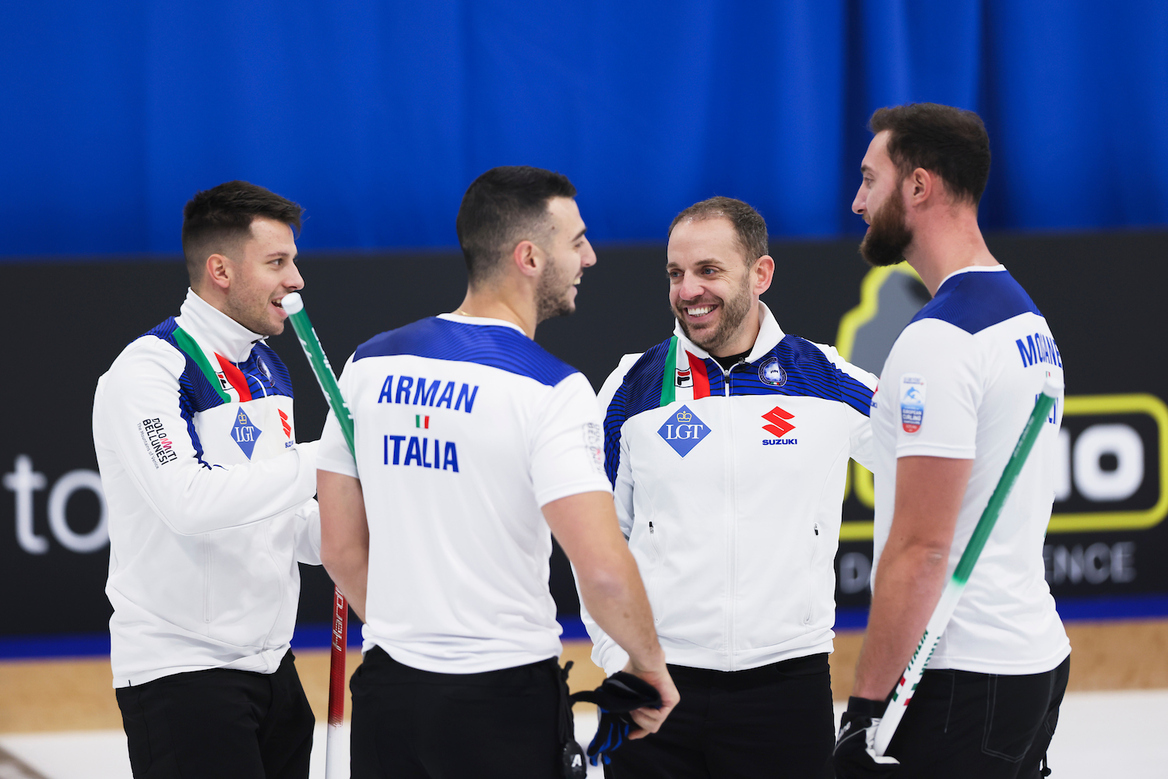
762, 273
218, 272
527, 258
920, 186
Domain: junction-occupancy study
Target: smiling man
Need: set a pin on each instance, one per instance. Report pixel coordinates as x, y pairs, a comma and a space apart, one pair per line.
210, 508
727, 446
475, 446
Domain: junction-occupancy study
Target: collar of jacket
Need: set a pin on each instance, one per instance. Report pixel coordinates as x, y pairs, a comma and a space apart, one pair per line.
769, 335
216, 330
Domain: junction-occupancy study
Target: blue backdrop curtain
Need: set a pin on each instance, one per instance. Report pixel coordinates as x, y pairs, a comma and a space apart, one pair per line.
376, 115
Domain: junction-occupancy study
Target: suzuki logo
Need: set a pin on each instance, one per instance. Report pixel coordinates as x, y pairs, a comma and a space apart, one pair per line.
779, 425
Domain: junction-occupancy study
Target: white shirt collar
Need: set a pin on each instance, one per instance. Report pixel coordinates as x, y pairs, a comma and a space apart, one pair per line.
216, 330
481, 320
973, 269
769, 335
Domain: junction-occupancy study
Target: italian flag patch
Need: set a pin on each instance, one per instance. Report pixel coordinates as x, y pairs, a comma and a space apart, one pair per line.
684, 377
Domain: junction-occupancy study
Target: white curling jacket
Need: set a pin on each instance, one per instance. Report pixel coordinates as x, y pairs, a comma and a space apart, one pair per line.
729, 487
209, 498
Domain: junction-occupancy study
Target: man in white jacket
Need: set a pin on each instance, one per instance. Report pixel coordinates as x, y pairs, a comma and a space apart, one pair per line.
211, 507
728, 447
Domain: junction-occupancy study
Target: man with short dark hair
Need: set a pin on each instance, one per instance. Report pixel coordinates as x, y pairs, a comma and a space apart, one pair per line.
211, 508
955, 393
728, 446
472, 442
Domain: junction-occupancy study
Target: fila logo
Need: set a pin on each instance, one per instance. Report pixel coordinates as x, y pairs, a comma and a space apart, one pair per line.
779, 426
685, 378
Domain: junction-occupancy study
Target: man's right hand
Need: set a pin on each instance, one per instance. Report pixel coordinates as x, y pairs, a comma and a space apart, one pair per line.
855, 755
649, 720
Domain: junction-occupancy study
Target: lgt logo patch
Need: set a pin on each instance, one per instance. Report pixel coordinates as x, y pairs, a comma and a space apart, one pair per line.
245, 433
683, 431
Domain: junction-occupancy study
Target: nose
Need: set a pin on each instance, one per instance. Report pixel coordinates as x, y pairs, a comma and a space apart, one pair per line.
690, 287
588, 255
294, 281
859, 202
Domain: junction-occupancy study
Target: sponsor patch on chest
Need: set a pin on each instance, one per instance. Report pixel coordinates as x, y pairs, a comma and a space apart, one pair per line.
244, 432
683, 431
779, 424
912, 402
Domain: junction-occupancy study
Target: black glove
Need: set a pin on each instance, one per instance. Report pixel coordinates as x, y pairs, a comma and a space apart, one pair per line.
855, 753
620, 694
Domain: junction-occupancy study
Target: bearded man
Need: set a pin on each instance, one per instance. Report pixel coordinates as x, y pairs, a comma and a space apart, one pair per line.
727, 446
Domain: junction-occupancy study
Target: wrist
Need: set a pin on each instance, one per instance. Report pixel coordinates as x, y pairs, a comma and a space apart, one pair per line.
866, 707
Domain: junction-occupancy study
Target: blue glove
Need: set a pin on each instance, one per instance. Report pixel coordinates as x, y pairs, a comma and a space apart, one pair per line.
620, 694
855, 752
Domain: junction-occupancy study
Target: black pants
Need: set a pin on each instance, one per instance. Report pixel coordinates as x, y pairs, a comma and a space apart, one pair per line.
773, 721
413, 724
219, 723
981, 726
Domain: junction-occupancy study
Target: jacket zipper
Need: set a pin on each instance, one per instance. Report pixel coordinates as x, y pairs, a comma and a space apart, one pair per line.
207, 575
732, 563
814, 555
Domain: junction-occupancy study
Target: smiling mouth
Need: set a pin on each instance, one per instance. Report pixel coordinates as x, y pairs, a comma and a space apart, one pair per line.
699, 311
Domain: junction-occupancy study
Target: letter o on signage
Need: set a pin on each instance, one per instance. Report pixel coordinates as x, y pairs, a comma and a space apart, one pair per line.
58, 521
1125, 445
854, 572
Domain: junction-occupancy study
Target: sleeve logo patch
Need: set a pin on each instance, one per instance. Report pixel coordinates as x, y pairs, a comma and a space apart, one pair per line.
594, 444
161, 448
912, 402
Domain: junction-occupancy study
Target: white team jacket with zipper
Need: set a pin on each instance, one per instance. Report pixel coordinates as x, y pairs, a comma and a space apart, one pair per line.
729, 487
209, 498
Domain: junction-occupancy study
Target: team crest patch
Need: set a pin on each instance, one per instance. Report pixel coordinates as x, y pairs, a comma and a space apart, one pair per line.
770, 372
912, 402
245, 433
683, 431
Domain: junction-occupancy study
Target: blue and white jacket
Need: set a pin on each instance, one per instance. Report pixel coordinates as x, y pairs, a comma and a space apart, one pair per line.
729, 485
209, 499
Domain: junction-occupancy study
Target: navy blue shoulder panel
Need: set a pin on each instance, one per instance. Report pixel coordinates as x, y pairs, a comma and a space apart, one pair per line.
195, 394
494, 346
975, 300
264, 355
195, 388
639, 391
806, 372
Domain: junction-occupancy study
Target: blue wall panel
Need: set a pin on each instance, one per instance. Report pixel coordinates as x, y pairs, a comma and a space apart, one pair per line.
376, 115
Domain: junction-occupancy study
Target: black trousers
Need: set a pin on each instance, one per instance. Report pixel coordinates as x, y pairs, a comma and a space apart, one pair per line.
981, 726
413, 724
773, 721
219, 723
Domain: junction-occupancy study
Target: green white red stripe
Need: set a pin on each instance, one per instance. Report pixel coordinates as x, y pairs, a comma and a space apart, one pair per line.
684, 376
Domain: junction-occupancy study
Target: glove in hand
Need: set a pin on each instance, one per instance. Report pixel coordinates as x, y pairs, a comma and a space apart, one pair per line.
855, 756
620, 694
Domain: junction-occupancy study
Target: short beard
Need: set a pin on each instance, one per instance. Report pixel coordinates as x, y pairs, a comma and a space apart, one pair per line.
888, 236
734, 313
551, 296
